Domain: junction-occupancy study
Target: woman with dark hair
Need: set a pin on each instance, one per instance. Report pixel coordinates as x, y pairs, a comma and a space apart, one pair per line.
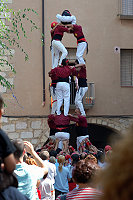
83, 174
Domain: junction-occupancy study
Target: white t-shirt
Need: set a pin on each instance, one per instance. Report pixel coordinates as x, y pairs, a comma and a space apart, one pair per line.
27, 176
46, 188
51, 170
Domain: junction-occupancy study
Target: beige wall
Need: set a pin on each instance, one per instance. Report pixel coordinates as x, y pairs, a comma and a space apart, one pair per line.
103, 31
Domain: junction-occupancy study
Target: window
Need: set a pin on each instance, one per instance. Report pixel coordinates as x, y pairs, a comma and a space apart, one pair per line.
126, 9
126, 67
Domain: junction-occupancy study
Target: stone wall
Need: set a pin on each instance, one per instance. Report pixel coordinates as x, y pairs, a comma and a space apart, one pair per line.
36, 130
119, 124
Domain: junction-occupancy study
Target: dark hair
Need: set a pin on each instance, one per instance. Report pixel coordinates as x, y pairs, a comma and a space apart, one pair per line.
76, 61
19, 145
100, 156
75, 158
83, 172
66, 13
1, 102
64, 62
53, 153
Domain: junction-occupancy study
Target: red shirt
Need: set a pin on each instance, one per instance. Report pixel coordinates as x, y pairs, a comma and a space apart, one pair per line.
59, 32
51, 122
57, 120
62, 72
82, 72
78, 33
81, 121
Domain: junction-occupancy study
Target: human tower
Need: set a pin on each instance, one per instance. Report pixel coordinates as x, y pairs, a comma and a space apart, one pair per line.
60, 82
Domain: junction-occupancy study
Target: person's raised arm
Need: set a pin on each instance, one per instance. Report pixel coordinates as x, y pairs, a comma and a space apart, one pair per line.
30, 149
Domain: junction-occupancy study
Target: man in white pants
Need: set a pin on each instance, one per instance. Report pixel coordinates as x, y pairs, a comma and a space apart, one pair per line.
81, 87
53, 51
81, 42
63, 87
57, 44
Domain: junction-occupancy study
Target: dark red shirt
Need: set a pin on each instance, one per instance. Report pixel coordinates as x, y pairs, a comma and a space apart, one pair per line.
59, 32
78, 33
62, 72
51, 122
82, 72
81, 121
58, 120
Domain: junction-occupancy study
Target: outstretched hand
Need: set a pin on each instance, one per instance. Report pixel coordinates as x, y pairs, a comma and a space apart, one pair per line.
29, 147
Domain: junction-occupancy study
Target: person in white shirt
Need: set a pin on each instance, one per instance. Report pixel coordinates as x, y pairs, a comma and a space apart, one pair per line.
44, 155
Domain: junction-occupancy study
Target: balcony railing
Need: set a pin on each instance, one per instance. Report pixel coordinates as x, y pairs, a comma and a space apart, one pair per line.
88, 99
125, 9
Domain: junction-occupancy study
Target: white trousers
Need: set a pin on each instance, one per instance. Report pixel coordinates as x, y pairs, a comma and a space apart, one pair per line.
78, 99
53, 53
57, 47
54, 98
62, 135
80, 139
80, 51
63, 92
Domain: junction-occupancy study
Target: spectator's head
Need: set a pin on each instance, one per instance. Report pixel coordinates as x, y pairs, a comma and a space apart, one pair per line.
83, 156
83, 172
52, 159
61, 161
91, 158
19, 145
53, 153
65, 62
107, 148
44, 155
75, 158
100, 156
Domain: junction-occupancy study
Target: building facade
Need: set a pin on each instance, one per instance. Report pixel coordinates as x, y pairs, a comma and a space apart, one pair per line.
107, 26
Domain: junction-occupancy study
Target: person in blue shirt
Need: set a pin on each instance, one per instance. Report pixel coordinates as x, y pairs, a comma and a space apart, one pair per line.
62, 177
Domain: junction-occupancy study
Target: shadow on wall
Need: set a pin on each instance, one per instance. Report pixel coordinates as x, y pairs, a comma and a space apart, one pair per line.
99, 135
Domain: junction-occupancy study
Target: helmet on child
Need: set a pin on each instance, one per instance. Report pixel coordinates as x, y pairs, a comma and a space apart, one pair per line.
53, 24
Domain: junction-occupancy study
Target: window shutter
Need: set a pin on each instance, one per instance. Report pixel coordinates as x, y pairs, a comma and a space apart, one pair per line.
127, 7
126, 64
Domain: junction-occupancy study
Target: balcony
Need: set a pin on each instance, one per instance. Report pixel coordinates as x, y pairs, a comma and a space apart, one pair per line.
89, 98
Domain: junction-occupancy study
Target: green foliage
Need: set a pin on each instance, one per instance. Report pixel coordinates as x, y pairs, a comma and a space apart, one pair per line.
10, 35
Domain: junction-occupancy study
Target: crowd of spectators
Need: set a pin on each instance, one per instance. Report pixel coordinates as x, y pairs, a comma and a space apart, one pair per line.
101, 174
